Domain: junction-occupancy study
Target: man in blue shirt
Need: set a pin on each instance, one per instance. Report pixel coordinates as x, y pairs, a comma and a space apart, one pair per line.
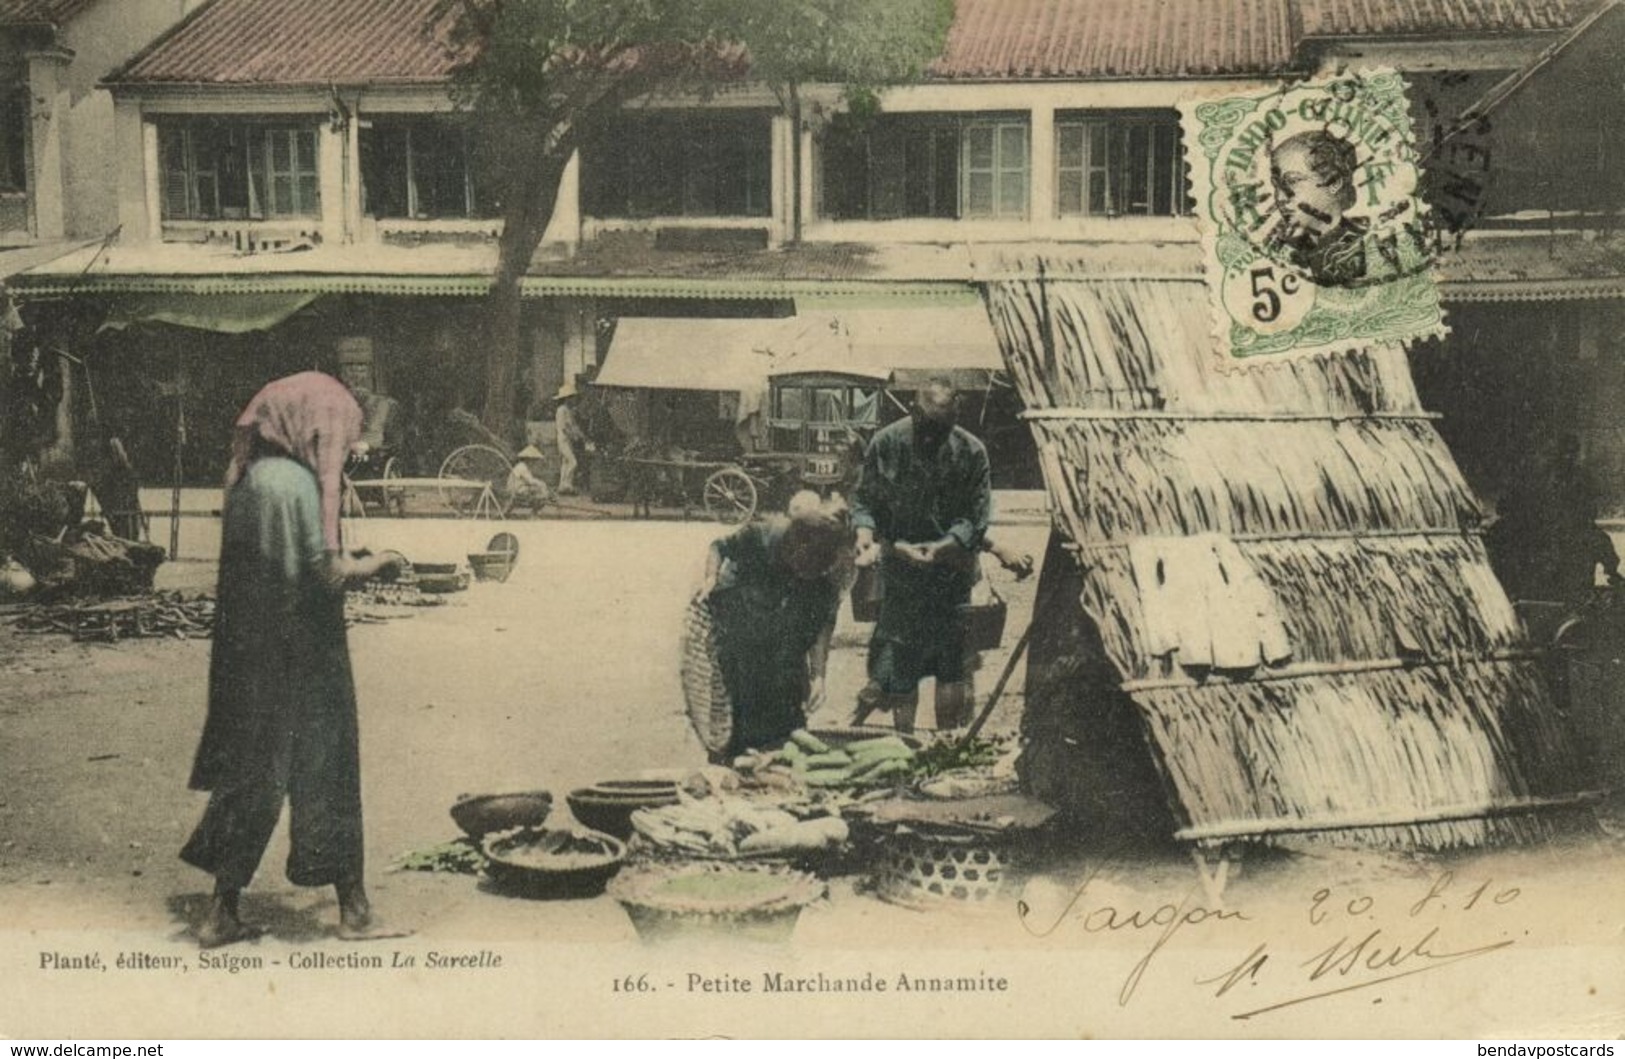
921, 511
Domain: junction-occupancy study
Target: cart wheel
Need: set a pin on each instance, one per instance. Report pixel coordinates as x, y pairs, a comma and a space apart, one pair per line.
394, 499
473, 463
730, 496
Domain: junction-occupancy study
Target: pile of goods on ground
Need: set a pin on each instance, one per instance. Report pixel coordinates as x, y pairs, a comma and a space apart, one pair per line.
729, 827
811, 761
159, 614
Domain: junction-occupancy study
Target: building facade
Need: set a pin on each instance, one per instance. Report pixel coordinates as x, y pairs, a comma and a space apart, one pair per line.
291, 178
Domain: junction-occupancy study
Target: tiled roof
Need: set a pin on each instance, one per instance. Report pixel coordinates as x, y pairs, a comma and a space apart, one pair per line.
295, 42
1022, 39
1401, 17
320, 42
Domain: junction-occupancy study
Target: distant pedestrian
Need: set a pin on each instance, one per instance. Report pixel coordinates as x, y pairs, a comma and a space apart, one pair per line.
571, 437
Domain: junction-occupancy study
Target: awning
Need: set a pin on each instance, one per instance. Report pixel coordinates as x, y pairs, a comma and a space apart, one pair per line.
662, 353
229, 314
1533, 265
901, 345
906, 346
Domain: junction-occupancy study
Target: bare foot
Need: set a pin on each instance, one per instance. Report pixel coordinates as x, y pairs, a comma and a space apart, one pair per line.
355, 916
371, 932
355, 911
221, 925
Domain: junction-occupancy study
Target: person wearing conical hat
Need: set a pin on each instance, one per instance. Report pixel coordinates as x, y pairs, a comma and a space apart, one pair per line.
570, 435
525, 485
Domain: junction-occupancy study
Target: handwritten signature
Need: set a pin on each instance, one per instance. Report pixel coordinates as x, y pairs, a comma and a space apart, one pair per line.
1355, 956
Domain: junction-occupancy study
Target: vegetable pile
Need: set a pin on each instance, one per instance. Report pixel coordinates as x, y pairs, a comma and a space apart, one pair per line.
814, 763
734, 827
459, 857
949, 755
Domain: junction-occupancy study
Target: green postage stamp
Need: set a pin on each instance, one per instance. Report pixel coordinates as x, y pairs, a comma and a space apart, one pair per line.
1314, 237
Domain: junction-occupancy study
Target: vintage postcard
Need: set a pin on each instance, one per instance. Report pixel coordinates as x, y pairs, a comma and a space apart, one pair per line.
520, 520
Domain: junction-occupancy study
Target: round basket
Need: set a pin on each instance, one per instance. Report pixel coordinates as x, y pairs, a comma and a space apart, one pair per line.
932, 869
713, 900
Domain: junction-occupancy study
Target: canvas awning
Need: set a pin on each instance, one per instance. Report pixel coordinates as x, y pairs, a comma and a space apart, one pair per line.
901, 345
229, 314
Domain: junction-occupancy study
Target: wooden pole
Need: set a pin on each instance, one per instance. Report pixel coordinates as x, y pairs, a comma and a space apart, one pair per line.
180, 447
998, 689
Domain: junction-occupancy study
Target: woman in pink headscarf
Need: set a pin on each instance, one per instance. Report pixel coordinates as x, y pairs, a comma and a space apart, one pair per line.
282, 712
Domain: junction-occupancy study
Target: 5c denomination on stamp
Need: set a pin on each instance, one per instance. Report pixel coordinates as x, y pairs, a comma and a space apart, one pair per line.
1314, 237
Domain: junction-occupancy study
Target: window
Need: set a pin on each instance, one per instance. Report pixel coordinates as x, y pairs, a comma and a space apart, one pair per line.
218, 169
419, 169
680, 165
1124, 163
927, 165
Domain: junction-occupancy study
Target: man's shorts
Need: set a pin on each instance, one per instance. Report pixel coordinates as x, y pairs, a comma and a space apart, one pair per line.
897, 668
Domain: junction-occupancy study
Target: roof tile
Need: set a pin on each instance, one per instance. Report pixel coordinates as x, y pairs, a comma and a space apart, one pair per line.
296, 42
1029, 39
305, 42
1404, 17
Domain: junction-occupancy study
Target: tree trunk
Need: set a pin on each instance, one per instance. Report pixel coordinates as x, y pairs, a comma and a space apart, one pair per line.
528, 209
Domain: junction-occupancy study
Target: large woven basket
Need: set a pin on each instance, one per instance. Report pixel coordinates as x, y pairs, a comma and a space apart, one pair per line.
710, 709
662, 916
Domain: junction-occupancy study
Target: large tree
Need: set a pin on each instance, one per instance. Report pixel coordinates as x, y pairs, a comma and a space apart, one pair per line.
538, 74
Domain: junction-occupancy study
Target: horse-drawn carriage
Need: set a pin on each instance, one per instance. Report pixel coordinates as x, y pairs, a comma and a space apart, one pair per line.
817, 425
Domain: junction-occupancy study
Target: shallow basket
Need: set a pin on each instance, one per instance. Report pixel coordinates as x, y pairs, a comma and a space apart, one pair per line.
662, 917
930, 870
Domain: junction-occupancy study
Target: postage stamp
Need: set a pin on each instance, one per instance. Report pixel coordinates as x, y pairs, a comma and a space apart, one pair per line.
1315, 237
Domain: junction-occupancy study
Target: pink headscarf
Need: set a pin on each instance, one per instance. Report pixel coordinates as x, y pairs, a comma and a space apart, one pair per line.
315, 420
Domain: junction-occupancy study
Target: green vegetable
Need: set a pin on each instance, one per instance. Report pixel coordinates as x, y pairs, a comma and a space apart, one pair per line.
949, 754
809, 742
878, 743
831, 759
456, 858
882, 771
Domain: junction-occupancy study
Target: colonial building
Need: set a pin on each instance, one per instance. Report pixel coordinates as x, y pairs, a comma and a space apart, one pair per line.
290, 179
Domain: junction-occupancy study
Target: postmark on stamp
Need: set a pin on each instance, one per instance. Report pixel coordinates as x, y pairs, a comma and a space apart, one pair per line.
1315, 238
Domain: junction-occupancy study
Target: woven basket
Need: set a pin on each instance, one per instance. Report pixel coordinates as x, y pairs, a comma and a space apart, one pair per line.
921, 870
710, 709
983, 623
662, 917
866, 595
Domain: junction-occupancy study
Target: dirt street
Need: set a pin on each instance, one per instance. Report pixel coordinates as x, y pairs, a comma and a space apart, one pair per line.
567, 674
564, 675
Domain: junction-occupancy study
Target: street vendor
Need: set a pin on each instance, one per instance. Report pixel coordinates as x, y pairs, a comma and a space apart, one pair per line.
281, 723
774, 586
921, 510
525, 486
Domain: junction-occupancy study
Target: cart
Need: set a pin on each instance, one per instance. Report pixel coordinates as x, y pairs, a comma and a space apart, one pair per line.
729, 491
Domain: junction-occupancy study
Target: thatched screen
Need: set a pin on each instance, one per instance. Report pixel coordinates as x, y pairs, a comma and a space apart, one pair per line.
1281, 570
